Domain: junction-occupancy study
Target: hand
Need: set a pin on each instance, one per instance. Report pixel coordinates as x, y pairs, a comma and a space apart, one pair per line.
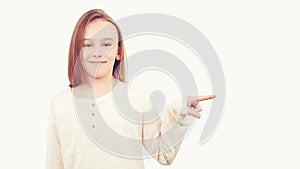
193, 108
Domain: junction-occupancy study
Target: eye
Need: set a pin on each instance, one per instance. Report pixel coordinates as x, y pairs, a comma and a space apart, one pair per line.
106, 44
87, 45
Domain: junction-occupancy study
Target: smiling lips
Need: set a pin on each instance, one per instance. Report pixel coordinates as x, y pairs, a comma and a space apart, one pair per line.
97, 62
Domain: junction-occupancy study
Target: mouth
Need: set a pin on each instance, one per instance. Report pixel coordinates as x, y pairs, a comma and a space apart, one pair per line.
97, 62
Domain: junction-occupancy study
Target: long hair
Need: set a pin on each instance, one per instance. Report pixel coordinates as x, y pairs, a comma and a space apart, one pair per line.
76, 72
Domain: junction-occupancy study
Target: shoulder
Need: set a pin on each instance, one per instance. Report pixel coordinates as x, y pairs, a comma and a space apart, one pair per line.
57, 101
61, 96
132, 89
139, 96
138, 89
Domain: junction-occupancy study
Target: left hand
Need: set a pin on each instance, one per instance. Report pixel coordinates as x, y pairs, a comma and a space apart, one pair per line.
193, 108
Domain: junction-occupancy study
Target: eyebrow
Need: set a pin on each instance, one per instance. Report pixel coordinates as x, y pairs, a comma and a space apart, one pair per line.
101, 39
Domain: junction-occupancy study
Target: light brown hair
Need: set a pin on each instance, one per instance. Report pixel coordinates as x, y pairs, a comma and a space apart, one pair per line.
76, 72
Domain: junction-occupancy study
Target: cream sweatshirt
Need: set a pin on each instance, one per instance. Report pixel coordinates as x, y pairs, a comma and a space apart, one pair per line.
106, 133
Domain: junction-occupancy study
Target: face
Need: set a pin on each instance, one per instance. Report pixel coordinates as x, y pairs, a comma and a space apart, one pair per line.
100, 48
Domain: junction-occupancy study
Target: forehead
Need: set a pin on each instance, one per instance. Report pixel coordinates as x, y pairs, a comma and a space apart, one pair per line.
99, 29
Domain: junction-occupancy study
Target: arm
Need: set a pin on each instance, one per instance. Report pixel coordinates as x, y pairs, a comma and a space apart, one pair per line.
53, 158
163, 137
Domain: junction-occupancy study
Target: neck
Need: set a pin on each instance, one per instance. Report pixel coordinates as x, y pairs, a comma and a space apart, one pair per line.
100, 86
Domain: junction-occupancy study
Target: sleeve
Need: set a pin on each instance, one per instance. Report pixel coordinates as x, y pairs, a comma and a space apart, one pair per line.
162, 138
53, 158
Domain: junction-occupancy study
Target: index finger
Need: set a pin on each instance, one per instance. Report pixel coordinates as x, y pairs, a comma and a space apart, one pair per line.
207, 97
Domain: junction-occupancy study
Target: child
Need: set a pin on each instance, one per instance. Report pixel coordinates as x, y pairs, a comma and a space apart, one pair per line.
86, 130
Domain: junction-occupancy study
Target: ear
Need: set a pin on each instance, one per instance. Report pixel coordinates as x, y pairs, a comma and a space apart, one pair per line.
118, 57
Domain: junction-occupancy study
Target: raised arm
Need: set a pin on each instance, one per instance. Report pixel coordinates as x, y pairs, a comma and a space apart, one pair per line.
163, 137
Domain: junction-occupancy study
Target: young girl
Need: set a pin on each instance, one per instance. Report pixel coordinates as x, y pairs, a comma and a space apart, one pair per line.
88, 126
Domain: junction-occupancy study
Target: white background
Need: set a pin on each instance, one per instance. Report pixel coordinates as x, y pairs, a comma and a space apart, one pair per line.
257, 43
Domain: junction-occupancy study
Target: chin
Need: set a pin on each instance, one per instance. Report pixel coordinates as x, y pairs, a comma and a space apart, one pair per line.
100, 75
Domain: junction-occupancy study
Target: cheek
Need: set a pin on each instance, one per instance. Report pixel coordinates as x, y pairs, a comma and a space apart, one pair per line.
112, 53
86, 53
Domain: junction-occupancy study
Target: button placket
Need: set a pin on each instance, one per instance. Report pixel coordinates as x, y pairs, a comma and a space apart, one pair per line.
92, 115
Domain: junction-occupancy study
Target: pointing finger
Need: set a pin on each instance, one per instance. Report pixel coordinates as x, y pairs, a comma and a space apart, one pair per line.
207, 97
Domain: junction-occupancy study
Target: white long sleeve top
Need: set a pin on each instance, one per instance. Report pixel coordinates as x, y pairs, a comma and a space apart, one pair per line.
77, 140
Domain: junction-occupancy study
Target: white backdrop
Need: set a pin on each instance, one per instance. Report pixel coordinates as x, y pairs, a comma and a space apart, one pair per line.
257, 43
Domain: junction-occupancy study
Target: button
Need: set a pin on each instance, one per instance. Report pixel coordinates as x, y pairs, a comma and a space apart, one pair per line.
93, 114
93, 125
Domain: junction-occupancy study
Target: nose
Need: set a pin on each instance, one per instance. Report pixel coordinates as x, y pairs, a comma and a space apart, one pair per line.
97, 52
97, 55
